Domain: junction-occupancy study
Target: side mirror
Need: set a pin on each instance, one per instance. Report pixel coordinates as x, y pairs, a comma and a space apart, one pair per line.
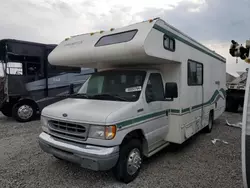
71, 89
171, 90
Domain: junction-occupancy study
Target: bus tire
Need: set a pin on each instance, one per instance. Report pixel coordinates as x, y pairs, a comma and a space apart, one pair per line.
23, 112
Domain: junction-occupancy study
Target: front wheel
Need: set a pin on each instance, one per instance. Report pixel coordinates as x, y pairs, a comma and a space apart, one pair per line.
23, 112
130, 160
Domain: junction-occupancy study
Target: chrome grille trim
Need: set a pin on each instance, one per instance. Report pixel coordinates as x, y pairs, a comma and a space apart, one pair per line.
68, 130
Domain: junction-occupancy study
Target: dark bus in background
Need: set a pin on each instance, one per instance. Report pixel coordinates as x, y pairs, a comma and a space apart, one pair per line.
28, 82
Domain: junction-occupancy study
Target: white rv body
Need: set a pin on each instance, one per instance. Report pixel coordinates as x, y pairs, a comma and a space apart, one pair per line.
159, 50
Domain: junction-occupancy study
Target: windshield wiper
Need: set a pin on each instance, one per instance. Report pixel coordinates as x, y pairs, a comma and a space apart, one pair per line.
105, 95
79, 95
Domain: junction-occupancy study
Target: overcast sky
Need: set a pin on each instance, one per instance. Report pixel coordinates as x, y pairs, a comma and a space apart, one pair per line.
212, 22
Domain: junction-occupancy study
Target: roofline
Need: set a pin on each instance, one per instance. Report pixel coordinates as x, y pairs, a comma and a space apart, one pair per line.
209, 52
27, 42
114, 29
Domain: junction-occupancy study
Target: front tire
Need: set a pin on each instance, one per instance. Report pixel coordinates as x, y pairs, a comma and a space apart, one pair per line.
23, 112
130, 160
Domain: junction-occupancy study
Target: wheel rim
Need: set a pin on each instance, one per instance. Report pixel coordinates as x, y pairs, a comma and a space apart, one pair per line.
134, 161
25, 112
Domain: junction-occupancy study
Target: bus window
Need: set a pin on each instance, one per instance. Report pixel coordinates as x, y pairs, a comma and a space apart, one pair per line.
14, 68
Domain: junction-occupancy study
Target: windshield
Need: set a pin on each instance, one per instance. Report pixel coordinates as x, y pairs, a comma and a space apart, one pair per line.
121, 85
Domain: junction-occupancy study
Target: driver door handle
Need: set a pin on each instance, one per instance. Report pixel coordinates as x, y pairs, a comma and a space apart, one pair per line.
140, 110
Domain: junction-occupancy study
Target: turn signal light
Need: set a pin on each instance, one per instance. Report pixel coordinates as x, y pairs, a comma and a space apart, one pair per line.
110, 132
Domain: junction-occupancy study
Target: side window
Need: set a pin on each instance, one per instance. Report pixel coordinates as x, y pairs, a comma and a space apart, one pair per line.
33, 69
195, 73
169, 43
116, 38
14, 68
155, 87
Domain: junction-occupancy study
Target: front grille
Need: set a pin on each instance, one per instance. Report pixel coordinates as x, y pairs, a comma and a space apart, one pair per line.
70, 131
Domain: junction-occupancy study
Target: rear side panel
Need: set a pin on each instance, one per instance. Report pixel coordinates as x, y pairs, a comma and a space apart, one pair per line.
196, 101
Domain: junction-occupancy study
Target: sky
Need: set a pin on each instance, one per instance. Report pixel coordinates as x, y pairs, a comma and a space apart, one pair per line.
213, 23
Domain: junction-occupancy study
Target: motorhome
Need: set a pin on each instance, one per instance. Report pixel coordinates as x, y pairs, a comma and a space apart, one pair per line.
28, 82
154, 86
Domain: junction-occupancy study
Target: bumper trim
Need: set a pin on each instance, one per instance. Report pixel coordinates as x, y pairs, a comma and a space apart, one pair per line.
88, 156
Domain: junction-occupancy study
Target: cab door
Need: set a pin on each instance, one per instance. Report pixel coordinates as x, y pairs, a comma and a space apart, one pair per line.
155, 111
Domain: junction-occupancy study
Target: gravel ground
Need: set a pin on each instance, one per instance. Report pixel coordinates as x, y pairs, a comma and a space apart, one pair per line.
196, 163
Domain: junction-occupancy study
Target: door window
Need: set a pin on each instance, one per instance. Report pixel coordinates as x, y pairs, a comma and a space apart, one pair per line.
155, 87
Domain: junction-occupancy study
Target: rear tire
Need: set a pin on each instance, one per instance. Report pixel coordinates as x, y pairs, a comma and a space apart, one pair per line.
209, 127
129, 162
23, 112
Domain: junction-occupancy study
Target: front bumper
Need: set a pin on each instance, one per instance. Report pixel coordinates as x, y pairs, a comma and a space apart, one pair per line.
91, 157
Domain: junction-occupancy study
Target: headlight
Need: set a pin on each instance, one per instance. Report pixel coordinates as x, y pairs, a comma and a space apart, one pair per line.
102, 132
44, 122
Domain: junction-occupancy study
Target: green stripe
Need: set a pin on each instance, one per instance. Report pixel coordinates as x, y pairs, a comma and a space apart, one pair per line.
197, 106
175, 110
223, 92
218, 97
215, 97
140, 119
185, 110
163, 30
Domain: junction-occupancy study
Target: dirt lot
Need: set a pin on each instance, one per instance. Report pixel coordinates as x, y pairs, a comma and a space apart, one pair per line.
197, 163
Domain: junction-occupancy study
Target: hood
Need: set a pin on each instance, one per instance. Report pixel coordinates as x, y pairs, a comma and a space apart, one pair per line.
83, 110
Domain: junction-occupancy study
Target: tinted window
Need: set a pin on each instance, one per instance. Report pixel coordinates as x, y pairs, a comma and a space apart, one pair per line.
116, 38
168, 43
195, 73
14, 68
33, 69
155, 85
